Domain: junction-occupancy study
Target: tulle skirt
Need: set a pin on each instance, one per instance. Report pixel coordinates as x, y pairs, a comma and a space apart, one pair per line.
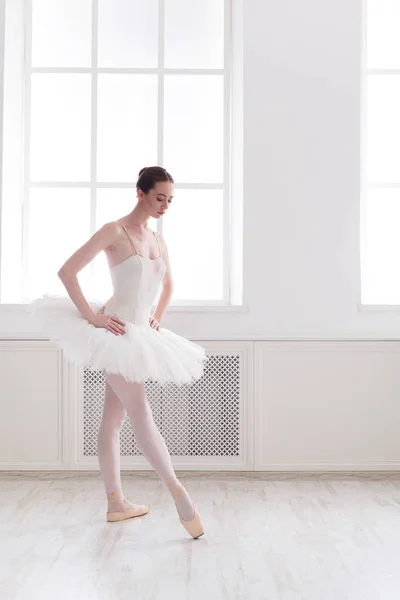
141, 354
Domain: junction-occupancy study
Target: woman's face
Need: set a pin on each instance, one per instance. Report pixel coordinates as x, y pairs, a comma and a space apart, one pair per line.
158, 199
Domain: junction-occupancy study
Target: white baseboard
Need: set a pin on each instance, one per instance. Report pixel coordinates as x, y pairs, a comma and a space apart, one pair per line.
326, 467
28, 466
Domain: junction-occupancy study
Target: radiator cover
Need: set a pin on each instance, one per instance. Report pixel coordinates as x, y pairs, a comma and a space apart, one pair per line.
200, 420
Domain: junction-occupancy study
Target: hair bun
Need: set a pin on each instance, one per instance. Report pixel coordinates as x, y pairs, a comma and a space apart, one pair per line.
149, 176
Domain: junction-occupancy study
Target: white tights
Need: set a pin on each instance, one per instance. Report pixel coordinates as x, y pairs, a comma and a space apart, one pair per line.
126, 398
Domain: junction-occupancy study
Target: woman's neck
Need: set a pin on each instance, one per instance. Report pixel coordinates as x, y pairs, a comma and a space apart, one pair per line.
137, 220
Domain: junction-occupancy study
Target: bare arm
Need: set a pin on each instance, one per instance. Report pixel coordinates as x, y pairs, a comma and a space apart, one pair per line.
84, 255
167, 283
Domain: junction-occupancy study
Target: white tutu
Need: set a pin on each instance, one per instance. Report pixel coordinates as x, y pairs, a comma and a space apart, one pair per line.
141, 354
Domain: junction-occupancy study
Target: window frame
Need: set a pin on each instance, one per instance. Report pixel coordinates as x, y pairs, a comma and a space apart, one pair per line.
93, 185
365, 184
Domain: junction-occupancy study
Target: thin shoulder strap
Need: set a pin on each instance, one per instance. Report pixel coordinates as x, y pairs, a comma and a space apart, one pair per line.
129, 238
158, 244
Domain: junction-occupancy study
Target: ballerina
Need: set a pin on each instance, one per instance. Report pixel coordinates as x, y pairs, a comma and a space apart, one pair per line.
126, 341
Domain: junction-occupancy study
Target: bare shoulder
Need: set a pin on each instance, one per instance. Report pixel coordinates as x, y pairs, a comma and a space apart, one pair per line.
104, 238
112, 227
108, 227
110, 232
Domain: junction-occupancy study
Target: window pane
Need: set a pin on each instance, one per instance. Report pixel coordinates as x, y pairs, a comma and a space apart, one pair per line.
194, 34
127, 125
196, 253
61, 33
128, 33
381, 280
383, 134
193, 142
59, 223
60, 127
112, 204
383, 26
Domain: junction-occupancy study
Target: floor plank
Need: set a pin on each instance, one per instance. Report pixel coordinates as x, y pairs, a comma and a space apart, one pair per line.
267, 536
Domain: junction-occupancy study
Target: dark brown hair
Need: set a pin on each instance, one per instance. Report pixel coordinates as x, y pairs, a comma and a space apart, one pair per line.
149, 176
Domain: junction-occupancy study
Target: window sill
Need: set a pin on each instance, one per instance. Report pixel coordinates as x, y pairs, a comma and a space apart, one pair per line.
239, 308
383, 308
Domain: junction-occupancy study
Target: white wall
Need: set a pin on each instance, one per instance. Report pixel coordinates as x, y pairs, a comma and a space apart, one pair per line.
32, 406
302, 406
336, 405
322, 406
302, 65
301, 180
302, 81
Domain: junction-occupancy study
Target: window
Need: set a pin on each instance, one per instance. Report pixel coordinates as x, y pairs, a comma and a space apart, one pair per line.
381, 194
111, 86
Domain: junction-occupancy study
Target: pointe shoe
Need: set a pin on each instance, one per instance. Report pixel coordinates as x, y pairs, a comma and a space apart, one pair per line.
129, 513
193, 526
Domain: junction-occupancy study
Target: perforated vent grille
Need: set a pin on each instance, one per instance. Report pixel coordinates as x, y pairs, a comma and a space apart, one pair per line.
196, 420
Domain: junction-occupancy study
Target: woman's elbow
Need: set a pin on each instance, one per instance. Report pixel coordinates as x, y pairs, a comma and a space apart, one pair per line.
64, 273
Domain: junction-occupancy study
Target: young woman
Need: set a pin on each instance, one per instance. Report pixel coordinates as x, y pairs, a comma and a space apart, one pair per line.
126, 341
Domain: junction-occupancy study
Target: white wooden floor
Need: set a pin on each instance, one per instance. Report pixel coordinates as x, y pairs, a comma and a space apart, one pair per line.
267, 536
